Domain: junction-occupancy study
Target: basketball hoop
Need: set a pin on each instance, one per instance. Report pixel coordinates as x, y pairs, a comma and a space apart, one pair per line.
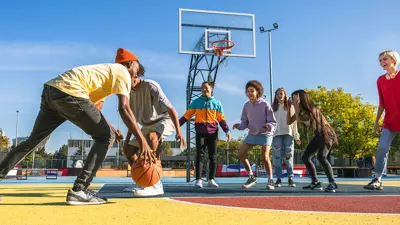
222, 46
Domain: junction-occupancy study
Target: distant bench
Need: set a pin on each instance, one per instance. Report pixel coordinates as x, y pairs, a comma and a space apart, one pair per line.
393, 169
352, 171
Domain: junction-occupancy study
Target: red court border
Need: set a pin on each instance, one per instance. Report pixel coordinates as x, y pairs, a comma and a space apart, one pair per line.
337, 204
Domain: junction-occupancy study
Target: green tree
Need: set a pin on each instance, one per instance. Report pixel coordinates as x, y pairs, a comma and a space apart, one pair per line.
166, 149
61, 153
4, 142
352, 120
79, 151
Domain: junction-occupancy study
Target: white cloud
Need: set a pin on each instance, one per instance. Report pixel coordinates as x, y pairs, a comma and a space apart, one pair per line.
51, 56
59, 56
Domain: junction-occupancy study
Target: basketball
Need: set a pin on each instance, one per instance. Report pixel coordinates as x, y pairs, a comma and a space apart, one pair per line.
145, 175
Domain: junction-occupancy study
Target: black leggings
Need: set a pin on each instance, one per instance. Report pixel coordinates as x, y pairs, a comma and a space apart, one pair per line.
203, 141
317, 145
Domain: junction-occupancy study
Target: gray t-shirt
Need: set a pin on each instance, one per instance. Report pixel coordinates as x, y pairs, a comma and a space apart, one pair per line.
149, 103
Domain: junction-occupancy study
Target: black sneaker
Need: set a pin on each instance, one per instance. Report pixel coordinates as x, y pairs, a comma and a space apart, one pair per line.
270, 185
314, 186
291, 183
250, 182
83, 198
278, 182
332, 186
375, 184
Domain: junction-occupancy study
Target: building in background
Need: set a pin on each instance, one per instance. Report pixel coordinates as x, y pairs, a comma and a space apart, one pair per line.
2, 133
20, 139
75, 146
175, 147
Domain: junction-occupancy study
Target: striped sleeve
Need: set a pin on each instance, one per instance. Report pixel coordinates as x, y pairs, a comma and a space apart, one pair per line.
221, 119
188, 114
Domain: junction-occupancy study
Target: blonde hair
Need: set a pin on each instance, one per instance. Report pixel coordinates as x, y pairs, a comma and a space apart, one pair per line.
392, 54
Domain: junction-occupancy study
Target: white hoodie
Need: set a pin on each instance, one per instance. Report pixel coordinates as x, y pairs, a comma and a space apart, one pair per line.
282, 128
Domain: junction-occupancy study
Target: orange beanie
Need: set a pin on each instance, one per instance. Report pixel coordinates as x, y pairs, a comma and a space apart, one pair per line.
124, 56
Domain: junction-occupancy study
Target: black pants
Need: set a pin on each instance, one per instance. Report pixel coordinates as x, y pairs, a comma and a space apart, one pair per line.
204, 141
317, 145
56, 107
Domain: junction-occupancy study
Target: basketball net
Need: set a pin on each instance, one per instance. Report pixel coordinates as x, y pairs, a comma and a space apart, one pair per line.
220, 47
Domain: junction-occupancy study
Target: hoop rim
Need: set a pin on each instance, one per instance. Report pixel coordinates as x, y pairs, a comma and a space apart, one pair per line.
223, 47
219, 50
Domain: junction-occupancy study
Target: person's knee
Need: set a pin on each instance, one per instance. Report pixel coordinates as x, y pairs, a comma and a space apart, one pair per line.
266, 156
306, 159
212, 157
321, 157
153, 136
108, 136
242, 155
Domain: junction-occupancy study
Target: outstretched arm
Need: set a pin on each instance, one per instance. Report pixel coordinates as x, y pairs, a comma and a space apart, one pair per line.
174, 116
188, 114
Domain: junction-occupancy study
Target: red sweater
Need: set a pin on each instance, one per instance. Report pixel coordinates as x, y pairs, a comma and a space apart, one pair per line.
389, 99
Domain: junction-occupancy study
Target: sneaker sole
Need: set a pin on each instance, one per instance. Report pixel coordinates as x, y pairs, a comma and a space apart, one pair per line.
147, 195
270, 188
84, 203
277, 185
373, 188
249, 185
317, 189
130, 189
293, 185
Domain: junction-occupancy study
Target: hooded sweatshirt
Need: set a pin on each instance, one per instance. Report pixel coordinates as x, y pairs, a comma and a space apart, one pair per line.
208, 112
256, 115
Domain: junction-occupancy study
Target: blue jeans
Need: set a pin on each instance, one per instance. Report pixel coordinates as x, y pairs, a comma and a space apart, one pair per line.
283, 146
382, 152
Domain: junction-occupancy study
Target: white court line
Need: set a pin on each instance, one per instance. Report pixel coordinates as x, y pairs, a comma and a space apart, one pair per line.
280, 210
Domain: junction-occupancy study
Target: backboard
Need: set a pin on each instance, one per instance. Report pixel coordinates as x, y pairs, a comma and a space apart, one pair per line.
198, 29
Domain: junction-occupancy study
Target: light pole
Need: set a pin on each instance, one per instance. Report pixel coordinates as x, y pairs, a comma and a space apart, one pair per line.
119, 143
16, 129
83, 146
262, 30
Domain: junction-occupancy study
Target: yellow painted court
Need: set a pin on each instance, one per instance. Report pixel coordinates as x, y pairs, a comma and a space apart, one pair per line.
45, 204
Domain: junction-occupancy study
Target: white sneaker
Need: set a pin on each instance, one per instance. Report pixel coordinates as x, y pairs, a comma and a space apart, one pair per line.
155, 190
131, 189
212, 183
198, 184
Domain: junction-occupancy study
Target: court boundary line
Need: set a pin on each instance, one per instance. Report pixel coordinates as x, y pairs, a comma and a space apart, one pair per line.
278, 196
279, 210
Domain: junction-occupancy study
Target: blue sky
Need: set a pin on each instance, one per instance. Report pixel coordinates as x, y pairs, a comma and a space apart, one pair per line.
330, 43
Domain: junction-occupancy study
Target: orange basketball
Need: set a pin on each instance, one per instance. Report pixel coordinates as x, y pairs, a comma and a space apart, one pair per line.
145, 175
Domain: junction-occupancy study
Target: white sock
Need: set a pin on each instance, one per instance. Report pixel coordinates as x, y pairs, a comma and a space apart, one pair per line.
379, 176
250, 173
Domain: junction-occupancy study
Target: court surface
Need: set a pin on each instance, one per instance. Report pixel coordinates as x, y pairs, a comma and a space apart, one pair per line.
41, 201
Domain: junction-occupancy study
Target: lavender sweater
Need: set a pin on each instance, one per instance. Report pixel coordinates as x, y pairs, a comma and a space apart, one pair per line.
255, 116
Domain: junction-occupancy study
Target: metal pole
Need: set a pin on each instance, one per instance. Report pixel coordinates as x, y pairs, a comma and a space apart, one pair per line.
119, 143
16, 129
83, 147
33, 159
270, 65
